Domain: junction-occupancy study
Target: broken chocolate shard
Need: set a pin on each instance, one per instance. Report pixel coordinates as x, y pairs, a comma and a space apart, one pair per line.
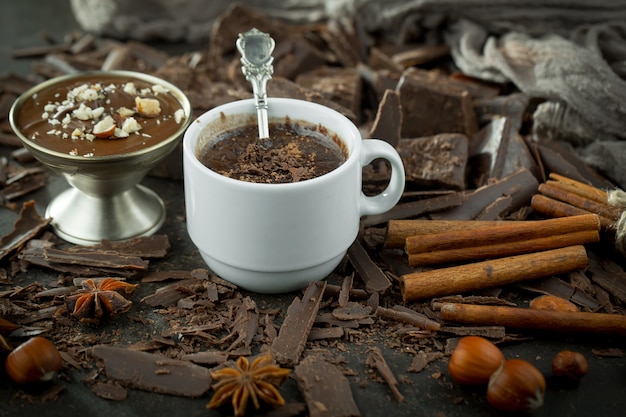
288, 346
155, 246
325, 389
512, 106
374, 278
22, 186
419, 208
28, 225
100, 259
437, 162
558, 157
521, 186
153, 372
488, 151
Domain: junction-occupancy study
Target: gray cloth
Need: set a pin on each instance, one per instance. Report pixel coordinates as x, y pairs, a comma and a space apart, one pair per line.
585, 97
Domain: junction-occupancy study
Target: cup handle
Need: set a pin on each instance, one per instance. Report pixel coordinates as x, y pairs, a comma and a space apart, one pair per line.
373, 149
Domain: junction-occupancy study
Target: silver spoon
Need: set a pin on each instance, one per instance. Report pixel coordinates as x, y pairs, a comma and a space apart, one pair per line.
256, 58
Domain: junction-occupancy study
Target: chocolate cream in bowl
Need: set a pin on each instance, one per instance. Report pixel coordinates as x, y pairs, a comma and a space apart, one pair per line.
102, 115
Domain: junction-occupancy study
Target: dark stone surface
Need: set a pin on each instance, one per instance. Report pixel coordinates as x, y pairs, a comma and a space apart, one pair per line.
428, 393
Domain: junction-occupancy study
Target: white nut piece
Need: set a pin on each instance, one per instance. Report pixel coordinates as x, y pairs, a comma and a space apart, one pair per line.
148, 107
104, 128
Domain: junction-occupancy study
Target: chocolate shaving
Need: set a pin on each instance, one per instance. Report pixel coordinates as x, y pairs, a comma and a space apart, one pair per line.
322, 333
289, 344
376, 360
407, 316
352, 311
422, 359
152, 372
325, 389
171, 294
109, 391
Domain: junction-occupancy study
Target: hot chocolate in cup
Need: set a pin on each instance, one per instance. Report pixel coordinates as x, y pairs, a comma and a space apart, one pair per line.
279, 237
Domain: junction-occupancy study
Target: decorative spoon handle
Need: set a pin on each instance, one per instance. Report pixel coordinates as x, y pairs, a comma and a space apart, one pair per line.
256, 58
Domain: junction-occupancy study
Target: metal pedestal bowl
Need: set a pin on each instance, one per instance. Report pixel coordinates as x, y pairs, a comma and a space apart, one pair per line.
105, 200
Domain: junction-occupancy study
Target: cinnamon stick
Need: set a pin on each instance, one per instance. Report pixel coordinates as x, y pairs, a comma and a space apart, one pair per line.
512, 231
493, 273
526, 318
499, 250
549, 189
576, 187
551, 207
399, 230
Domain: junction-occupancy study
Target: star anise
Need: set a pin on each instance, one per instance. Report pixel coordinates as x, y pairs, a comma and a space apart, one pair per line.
259, 381
99, 299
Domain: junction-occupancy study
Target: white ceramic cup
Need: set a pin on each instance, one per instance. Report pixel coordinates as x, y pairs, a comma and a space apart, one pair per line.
276, 238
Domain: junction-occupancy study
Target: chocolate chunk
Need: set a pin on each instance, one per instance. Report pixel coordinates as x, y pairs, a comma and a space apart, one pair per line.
388, 119
339, 85
512, 106
282, 87
374, 278
346, 39
437, 161
325, 389
296, 55
292, 336
424, 95
152, 372
239, 19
